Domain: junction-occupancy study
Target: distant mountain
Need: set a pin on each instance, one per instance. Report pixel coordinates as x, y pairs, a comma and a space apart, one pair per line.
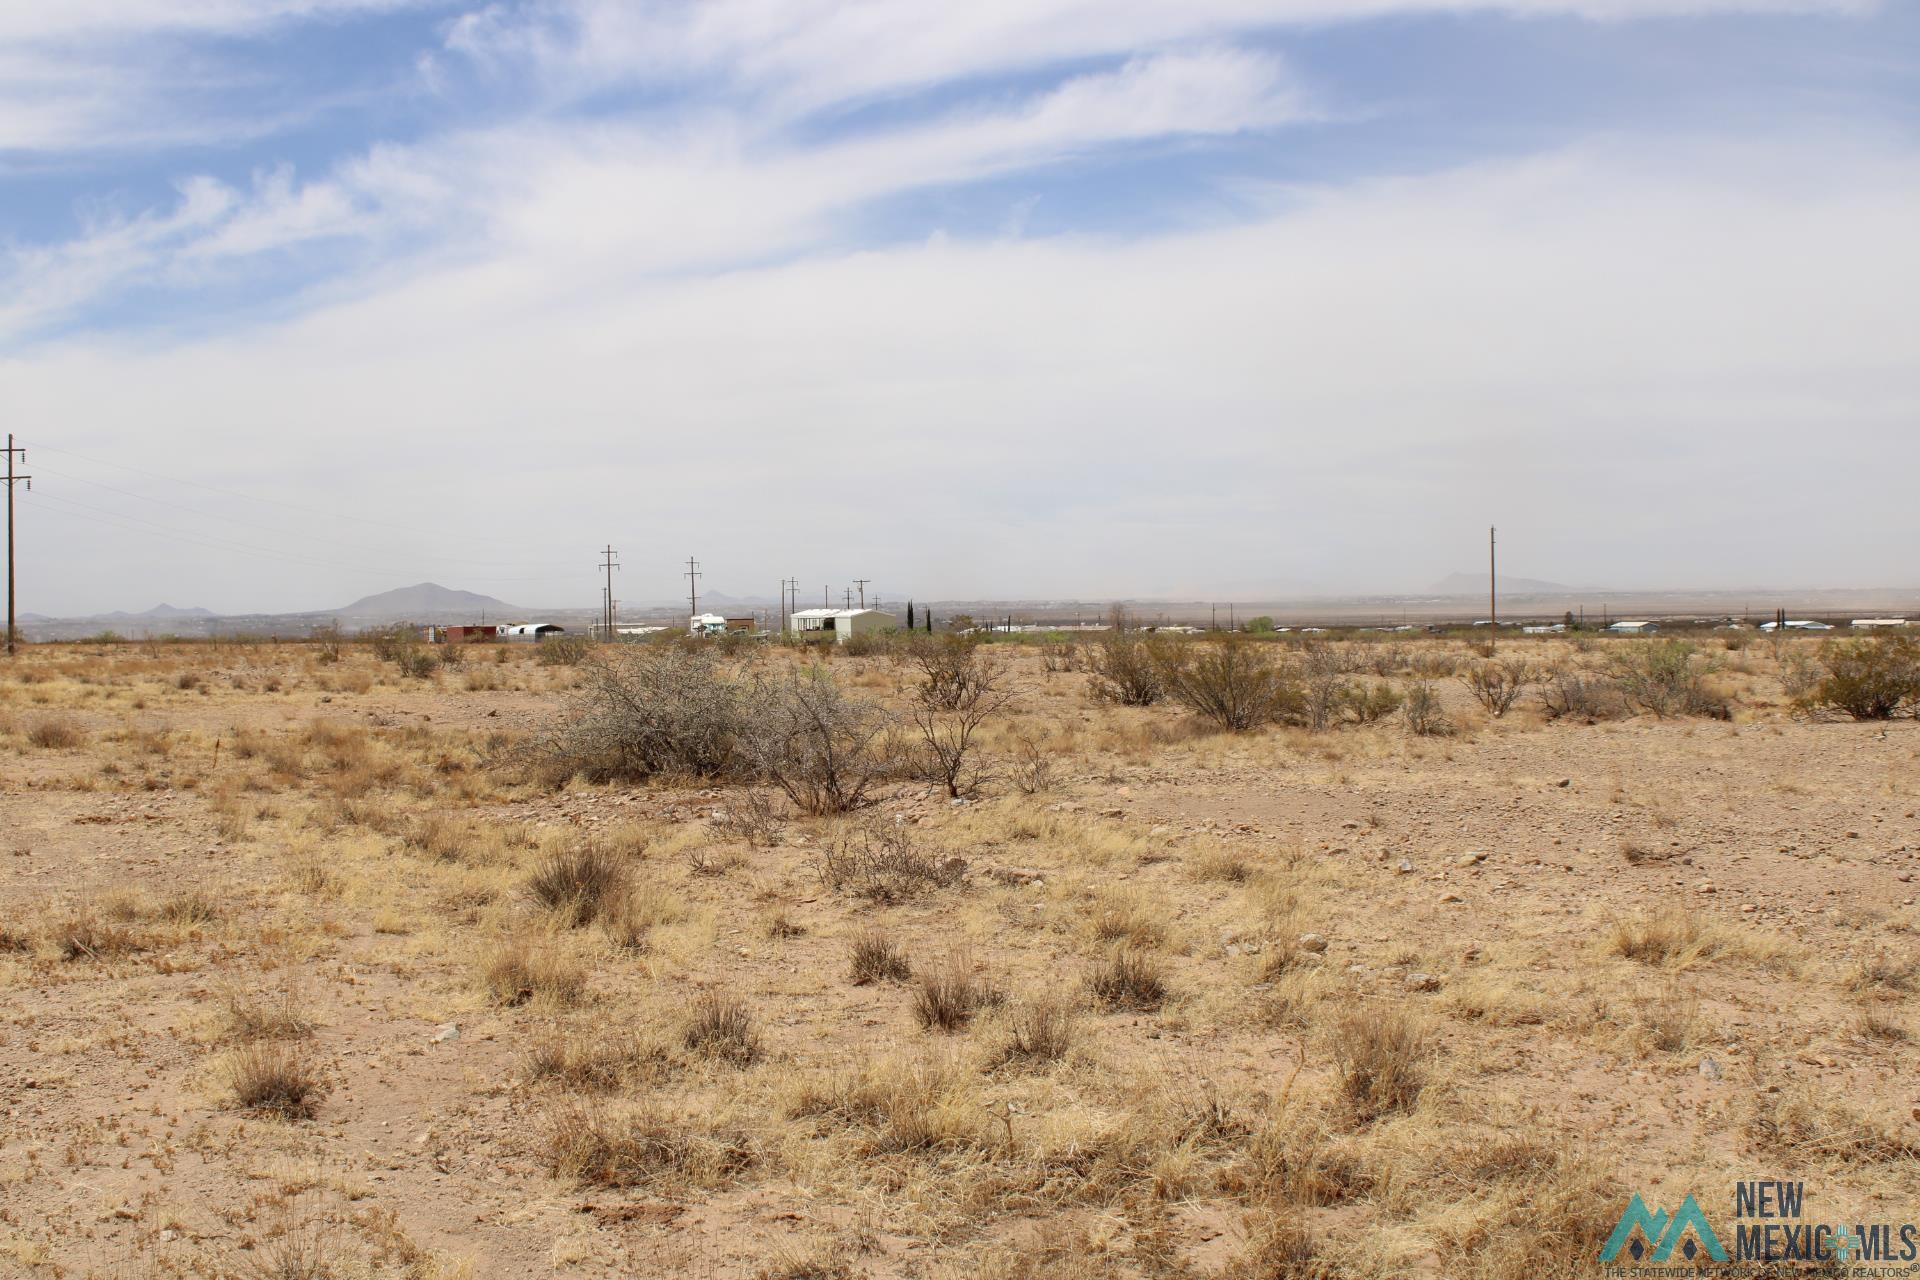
1475, 584
34, 617
157, 613
429, 601
721, 600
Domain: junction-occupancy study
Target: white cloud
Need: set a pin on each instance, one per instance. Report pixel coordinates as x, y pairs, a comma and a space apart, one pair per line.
1624, 357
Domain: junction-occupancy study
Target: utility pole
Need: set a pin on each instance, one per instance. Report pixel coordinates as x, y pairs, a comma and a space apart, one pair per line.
849, 603
13, 478
789, 591
609, 564
1493, 596
862, 584
693, 589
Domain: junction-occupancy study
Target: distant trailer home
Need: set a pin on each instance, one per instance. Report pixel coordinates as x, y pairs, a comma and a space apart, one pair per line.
462, 634
1798, 624
1634, 628
713, 624
1877, 624
842, 624
528, 632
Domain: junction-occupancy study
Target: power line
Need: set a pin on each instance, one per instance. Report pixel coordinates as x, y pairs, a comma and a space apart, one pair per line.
862, 584
610, 564
693, 589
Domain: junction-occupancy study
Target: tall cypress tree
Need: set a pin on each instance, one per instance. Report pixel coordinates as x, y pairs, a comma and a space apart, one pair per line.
909, 615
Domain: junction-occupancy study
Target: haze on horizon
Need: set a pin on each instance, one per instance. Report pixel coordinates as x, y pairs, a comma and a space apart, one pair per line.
302, 300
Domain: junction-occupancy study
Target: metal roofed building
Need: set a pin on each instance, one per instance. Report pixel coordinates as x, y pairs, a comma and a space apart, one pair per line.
841, 624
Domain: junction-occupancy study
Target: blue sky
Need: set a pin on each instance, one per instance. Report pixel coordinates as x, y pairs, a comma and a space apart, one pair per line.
1224, 298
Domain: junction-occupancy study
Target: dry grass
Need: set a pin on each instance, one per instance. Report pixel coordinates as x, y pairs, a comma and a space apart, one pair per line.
949, 994
1383, 1058
616, 1145
722, 1028
54, 734
577, 884
1038, 1033
274, 1078
1128, 978
526, 968
872, 957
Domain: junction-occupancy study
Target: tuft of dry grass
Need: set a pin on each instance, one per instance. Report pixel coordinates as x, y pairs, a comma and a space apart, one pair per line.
628, 1146
949, 995
577, 884
872, 957
1884, 972
1677, 938
1800, 1125
55, 734
629, 918
1128, 978
523, 968
1382, 1060
722, 1028
1040, 1032
88, 935
250, 1014
274, 1078
592, 1060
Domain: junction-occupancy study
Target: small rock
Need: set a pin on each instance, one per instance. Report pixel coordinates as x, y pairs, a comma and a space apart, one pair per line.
1405, 868
1312, 942
1473, 858
1446, 898
446, 1033
1905, 877
1564, 782
1709, 1068
1018, 875
1113, 813
1422, 982
1705, 886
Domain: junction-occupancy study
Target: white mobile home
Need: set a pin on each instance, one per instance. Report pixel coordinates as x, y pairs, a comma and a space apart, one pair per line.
841, 624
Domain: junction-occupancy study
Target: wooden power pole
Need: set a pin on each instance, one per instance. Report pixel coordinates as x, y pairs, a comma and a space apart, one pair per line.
609, 564
13, 478
1493, 596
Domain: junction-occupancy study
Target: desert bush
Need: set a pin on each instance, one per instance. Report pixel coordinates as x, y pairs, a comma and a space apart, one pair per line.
53, 734
451, 656
646, 710
1233, 683
721, 1027
950, 994
629, 918
1059, 655
1498, 685
952, 674
881, 863
750, 816
591, 1060
1381, 1059
1032, 767
562, 651
1039, 1032
1571, 693
825, 750
1127, 667
87, 935
1423, 713
1667, 678
1370, 704
253, 1014
1801, 1124
948, 716
1874, 678
1128, 978
576, 884
872, 957
274, 1078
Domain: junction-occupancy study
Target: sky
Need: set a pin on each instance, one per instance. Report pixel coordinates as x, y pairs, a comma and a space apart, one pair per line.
1020, 299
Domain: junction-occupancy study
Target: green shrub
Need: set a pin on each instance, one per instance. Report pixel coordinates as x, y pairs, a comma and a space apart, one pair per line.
1868, 679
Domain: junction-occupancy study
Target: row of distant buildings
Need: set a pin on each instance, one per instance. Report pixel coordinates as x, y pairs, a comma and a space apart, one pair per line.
839, 625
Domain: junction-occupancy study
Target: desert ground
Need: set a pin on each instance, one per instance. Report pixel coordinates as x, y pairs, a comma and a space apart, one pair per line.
314, 962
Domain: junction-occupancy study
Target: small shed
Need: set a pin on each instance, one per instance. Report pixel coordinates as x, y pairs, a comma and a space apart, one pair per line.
1634, 628
841, 624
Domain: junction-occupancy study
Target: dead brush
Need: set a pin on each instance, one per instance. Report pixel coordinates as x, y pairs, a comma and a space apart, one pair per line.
250, 1014
592, 1060
1885, 973
1128, 978
87, 935
1671, 937
751, 816
882, 864
53, 734
609, 1145
722, 1028
872, 957
1382, 1061
1039, 1033
1801, 1125
950, 994
577, 884
276, 1079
